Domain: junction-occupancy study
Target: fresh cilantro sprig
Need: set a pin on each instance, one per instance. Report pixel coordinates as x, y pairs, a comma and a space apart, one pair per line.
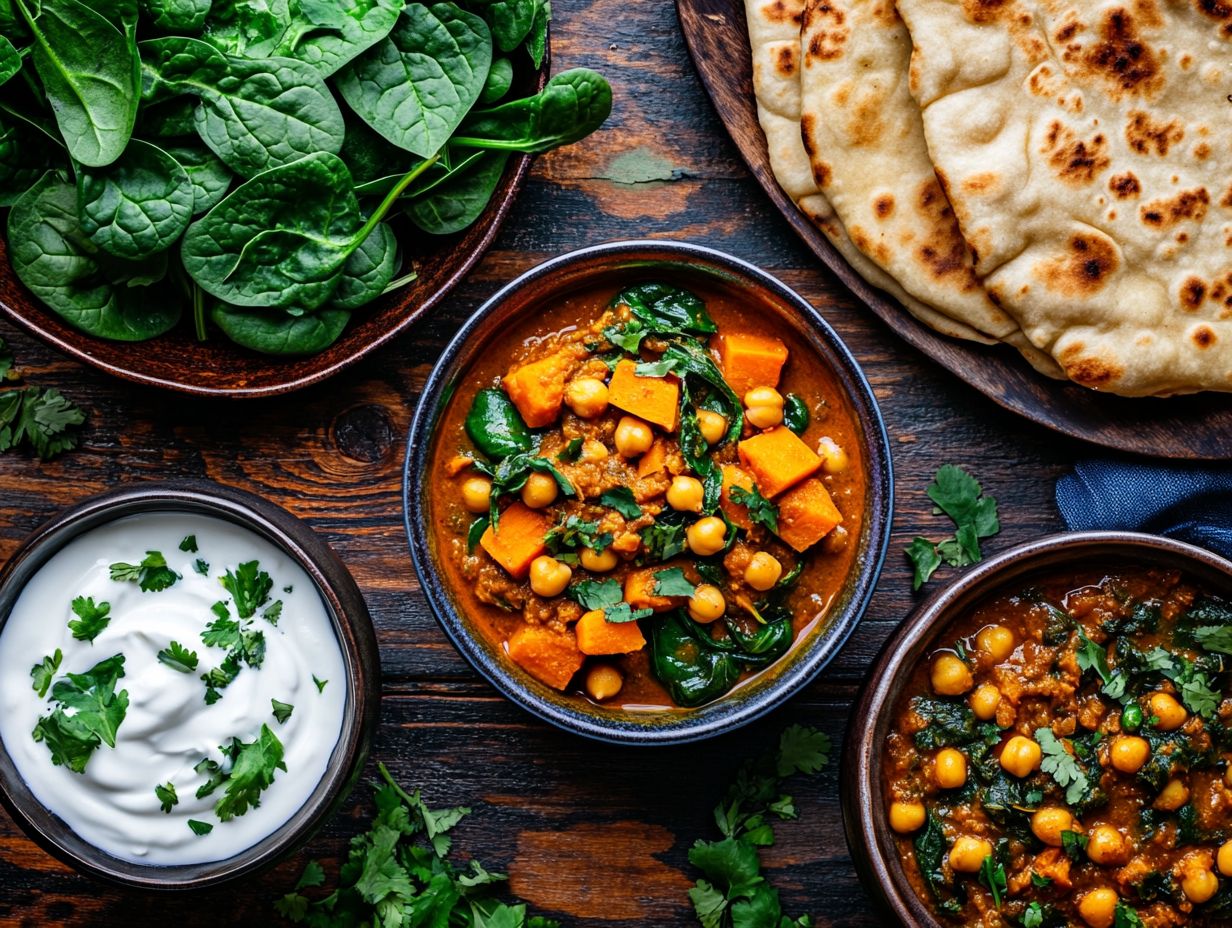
732, 890
88, 712
91, 619
178, 657
761, 510
958, 495
45, 671
399, 871
167, 799
607, 595
250, 588
1062, 766
152, 574
572, 533
38, 417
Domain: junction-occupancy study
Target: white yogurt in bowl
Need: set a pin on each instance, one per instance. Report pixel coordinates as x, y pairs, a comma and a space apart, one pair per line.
249, 700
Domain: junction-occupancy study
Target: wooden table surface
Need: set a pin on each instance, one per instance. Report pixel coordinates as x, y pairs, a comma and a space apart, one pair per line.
594, 835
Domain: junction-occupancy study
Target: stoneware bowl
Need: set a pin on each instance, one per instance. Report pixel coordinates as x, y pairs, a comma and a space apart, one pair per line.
863, 796
356, 638
610, 264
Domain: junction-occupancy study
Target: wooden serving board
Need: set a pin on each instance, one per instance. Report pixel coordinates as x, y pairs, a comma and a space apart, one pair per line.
1192, 427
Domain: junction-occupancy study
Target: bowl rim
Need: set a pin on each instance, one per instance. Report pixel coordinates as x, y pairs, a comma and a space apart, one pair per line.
348, 615
706, 721
861, 796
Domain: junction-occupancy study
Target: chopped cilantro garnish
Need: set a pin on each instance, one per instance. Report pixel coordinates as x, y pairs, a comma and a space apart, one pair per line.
43, 672
992, 875
572, 533
319, 683
958, 495
189, 544
91, 618
200, 828
761, 510
672, 582
571, 451
152, 574
88, 714
621, 499
249, 587
251, 774
178, 657
273, 612
282, 711
1216, 639
166, 797
595, 594
1062, 766
1074, 844
202, 567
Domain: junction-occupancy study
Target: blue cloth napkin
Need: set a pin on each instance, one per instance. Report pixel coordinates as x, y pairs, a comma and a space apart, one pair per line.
1190, 503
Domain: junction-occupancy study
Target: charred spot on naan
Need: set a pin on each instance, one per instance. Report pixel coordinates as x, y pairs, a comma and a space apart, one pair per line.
1144, 133
1124, 186
1219, 11
827, 30
808, 129
986, 11
785, 60
1167, 212
1122, 59
1203, 336
878, 250
779, 11
1226, 200
1086, 370
883, 206
1074, 160
1084, 269
1193, 293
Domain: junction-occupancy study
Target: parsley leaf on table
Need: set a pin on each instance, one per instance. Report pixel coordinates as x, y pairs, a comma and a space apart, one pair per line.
152, 574
399, 873
761, 510
91, 618
958, 495
88, 714
38, 416
732, 891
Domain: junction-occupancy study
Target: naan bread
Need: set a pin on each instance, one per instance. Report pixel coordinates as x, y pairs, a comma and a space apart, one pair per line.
774, 34
1086, 148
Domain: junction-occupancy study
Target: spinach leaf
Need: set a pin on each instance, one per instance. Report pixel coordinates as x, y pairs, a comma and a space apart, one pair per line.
278, 333
91, 74
684, 662
667, 309
177, 15
573, 105
510, 20
460, 198
98, 294
208, 176
416, 86
25, 156
500, 79
10, 60
326, 34
795, 413
138, 205
765, 643
949, 723
930, 847
255, 115
495, 425
368, 270
537, 41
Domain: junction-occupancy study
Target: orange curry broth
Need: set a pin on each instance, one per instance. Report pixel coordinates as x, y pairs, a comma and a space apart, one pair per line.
1042, 685
476, 580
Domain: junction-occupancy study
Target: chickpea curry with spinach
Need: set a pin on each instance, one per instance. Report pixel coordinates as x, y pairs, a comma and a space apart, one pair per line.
1067, 760
650, 496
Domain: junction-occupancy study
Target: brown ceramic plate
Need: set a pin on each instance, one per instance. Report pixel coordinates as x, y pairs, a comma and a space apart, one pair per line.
863, 797
218, 367
1196, 427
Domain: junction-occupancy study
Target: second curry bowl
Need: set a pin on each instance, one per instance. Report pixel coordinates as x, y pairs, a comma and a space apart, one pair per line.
648, 492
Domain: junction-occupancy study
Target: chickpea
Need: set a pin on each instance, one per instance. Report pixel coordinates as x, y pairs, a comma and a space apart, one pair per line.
1174, 795
763, 571
1098, 907
1129, 752
599, 562
1199, 884
587, 397
1106, 846
603, 682
539, 491
950, 768
763, 407
476, 494
1049, 822
685, 494
906, 817
996, 641
548, 576
984, 702
707, 604
1171, 714
707, 536
713, 426
1021, 756
950, 676
1224, 858
593, 450
968, 854
833, 457
633, 437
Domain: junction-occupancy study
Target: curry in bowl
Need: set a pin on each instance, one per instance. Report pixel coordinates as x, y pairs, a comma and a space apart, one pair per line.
1065, 756
649, 495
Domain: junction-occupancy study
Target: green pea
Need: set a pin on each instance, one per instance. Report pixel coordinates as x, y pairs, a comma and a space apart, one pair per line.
1131, 718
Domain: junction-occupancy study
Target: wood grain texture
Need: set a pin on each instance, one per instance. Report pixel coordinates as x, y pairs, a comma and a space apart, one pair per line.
332, 454
1179, 427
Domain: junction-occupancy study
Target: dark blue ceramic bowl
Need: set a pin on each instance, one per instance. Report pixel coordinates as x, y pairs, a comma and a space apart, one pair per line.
610, 264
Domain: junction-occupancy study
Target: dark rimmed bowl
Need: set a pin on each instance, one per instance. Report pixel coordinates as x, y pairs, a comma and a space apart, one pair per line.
356, 638
594, 267
863, 796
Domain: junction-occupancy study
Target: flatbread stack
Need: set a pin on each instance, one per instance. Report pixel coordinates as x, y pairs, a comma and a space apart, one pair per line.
1054, 174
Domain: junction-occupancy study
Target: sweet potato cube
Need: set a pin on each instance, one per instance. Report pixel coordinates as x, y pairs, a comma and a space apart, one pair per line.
655, 399
596, 635
733, 476
548, 656
751, 360
538, 388
778, 459
653, 461
640, 594
807, 514
518, 540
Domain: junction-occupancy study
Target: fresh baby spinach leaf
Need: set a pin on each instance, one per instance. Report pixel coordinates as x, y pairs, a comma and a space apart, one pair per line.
208, 176
368, 270
573, 105
177, 15
278, 333
460, 197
